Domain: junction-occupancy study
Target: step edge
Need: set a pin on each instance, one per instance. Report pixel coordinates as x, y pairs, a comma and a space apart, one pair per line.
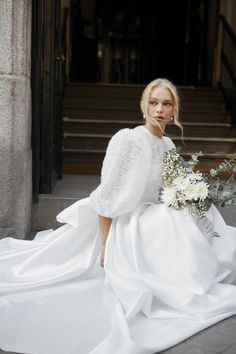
189, 138
105, 121
103, 151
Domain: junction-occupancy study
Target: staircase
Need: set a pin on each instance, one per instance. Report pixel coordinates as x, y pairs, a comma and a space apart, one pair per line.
94, 112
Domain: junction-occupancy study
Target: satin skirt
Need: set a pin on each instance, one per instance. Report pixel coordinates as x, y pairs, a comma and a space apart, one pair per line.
164, 279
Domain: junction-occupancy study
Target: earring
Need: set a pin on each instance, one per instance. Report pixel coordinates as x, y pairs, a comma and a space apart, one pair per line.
172, 118
144, 117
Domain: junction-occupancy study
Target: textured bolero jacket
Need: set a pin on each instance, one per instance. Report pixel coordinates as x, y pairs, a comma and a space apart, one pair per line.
125, 173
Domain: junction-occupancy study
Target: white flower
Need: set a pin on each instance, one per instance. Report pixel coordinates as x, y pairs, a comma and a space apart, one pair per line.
180, 196
181, 182
168, 195
195, 176
202, 190
191, 192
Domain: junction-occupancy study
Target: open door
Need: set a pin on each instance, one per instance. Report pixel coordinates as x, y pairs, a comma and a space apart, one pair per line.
133, 42
48, 61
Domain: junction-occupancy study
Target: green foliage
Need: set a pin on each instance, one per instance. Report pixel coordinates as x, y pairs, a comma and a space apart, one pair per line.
220, 192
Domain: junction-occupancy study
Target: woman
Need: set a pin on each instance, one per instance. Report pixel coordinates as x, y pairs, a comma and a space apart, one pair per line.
162, 279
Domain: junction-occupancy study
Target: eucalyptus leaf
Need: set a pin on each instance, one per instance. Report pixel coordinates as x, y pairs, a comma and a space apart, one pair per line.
213, 172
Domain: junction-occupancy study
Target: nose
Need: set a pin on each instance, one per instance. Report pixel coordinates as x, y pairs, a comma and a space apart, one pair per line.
159, 108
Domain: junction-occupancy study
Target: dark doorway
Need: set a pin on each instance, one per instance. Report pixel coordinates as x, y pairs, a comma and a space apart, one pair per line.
47, 91
132, 41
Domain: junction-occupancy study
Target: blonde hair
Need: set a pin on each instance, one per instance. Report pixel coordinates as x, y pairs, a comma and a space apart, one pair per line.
173, 91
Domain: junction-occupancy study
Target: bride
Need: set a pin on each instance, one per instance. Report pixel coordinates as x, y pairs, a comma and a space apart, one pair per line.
124, 274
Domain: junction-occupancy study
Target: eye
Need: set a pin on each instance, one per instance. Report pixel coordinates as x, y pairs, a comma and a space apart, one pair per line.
168, 104
153, 103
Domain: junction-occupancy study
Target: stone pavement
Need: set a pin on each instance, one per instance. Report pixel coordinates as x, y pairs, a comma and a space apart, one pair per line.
74, 187
218, 339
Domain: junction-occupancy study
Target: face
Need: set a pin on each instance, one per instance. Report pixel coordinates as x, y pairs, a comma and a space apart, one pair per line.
160, 108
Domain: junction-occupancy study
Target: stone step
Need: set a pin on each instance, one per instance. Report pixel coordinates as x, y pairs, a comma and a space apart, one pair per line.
113, 90
207, 145
112, 126
100, 141
89, 114
93, 113
72, 188
132, 103
89, 161
66, 192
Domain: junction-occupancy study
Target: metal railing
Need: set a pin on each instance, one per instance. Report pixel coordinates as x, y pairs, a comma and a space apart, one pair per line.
227, 81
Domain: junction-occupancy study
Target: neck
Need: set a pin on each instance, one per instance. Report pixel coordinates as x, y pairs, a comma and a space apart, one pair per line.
154, 130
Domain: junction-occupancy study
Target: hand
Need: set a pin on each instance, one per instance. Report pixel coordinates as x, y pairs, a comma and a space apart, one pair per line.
102, 254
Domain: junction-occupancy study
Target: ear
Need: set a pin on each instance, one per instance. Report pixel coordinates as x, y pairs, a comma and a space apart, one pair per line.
141, 106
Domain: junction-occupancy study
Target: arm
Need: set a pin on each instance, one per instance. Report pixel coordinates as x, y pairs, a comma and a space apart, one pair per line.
104, 225
124, 174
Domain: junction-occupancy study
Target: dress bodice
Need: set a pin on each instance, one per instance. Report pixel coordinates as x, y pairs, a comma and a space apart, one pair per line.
131, 171
158, 148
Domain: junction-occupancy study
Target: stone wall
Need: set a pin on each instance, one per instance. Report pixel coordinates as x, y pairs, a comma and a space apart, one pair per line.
15, 118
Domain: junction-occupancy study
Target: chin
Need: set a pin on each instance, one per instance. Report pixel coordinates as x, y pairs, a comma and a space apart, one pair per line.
162, 125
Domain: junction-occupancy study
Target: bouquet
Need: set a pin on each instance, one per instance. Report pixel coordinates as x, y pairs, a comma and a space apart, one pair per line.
184, 188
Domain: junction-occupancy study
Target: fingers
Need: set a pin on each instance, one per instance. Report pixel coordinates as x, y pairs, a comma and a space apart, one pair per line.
102, 253
102, 260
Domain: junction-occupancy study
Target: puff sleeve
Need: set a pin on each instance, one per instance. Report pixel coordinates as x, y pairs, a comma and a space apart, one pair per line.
124, 174
169, 143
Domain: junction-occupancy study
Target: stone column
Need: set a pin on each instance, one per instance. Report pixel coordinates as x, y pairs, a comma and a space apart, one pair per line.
15, 118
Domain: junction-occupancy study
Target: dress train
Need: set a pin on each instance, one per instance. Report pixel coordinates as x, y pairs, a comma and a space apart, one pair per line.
164, 280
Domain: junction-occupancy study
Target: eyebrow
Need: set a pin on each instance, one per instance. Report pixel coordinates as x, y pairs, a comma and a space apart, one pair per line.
155, 98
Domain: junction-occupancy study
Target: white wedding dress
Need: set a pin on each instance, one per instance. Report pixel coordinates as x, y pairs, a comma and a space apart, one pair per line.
164, 278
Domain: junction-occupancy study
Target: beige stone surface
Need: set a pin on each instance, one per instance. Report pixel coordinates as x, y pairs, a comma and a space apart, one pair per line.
6, 200
15, 33
15, 118
6, 36
16, 192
